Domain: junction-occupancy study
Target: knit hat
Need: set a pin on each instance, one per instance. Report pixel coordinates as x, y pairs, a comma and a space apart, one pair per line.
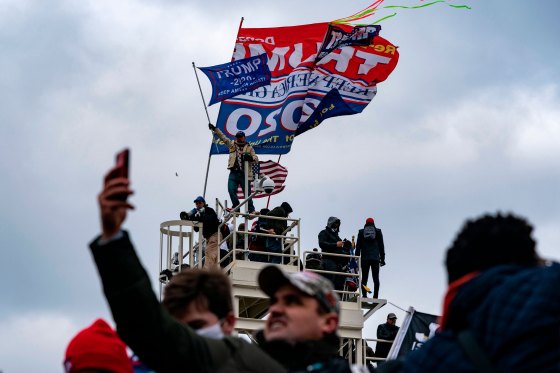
369, 220
97, 347
272, 278
286, 206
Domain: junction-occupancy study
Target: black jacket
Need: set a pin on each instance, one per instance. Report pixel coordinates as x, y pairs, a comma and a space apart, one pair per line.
387, 332
279, 226
327, 242
370, 245
161, 342
311, 356
209, 220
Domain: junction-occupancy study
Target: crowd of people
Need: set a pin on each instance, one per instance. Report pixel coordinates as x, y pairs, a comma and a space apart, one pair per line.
497, 284
270, 248
337, 255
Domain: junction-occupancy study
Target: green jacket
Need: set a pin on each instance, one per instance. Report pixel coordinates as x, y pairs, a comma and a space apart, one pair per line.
160, 341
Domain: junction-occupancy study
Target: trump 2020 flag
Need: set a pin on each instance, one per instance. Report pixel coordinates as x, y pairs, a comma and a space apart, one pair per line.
319, 71
237, 77
273, 170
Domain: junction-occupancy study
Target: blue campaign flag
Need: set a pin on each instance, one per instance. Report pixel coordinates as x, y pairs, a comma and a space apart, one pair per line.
331, 105
237, 77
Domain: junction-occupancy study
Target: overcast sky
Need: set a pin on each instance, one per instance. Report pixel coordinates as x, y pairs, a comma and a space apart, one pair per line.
468, 123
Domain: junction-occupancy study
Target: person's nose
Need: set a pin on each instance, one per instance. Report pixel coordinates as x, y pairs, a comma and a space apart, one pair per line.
276, 308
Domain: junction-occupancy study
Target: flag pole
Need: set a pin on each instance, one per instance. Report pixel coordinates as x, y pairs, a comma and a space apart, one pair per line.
208, 117
268, 202
238, 30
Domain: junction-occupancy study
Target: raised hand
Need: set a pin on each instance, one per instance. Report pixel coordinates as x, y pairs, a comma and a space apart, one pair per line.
113, 204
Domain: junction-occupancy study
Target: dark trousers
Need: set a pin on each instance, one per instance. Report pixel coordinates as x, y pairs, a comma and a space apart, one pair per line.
337, 280
274, 245
238, 178
374, 265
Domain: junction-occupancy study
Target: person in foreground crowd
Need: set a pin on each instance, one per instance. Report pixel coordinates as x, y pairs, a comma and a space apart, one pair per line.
299, 335
201, 299
387, 331
371, 248
97, 349
502, 308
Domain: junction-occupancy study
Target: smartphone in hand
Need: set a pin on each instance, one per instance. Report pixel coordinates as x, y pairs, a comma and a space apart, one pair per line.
122, 163
121, 170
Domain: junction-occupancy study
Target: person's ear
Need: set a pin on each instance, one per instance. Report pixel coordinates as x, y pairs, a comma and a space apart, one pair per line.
228, 325
330, 323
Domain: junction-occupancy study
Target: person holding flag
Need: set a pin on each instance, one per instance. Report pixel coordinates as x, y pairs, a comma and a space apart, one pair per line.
239, 152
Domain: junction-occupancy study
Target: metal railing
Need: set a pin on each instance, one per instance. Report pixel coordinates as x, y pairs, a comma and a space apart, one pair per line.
345, 295
365, 346
175, 250
289, 245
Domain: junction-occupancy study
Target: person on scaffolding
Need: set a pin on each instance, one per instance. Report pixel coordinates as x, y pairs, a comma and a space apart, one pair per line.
239, 152
371, 248
205, 214
387, 332
277, 227
330, 242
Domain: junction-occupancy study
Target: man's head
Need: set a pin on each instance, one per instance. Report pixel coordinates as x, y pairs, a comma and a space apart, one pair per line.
334, 223
391, 319
199, 202
286, 206
489, 241
97, 348
303, 305
201, 299
240, 137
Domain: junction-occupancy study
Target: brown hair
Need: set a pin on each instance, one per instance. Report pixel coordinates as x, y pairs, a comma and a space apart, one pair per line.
209, 289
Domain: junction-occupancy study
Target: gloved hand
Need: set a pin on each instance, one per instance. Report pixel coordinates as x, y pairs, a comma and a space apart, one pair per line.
211, 126
247, 157
382, 263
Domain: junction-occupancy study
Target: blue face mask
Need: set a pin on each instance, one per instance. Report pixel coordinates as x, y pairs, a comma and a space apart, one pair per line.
212, 331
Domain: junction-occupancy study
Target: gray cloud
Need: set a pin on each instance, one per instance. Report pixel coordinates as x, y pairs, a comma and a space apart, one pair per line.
467, 123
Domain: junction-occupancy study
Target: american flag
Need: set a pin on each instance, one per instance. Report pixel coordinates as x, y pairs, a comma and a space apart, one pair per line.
273, 170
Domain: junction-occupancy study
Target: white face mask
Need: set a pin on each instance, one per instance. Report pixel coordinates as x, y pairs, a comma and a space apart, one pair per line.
212, 331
